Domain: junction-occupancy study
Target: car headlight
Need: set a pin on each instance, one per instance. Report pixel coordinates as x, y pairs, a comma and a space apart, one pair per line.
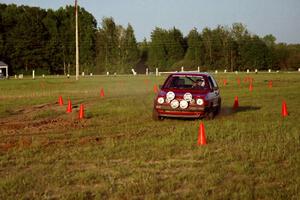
200, 102
160, 100
174, 104
188, 97
170, 95
184, 104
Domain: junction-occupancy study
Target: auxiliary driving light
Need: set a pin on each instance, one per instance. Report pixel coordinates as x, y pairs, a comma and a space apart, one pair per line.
174, 104
188, 97
184, 104
170, 95
160, 100
200, 102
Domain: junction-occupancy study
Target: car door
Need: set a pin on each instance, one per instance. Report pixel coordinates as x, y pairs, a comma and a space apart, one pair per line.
214, 92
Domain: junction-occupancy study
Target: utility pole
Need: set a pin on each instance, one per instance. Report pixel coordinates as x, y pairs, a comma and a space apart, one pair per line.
76, 38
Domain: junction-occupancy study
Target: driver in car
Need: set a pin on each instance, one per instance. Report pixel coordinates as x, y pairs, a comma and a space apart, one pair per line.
199, 83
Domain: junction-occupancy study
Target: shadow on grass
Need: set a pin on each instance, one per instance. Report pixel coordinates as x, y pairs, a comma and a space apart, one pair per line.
228, 111
225, 112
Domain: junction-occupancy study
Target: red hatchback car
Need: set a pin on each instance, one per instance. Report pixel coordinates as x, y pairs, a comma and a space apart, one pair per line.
188, 95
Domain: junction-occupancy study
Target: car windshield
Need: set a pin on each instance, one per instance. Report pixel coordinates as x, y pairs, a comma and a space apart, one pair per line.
186, 82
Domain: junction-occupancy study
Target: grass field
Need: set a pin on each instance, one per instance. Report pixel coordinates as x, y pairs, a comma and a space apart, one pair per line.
119, 152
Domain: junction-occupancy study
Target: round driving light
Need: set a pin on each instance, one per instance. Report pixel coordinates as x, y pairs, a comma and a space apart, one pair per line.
184, 104
188, 97
160, 100
170, 95
174, 104
200, 102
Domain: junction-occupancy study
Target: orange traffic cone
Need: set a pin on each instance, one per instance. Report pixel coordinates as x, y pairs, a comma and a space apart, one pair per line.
236, 102
284, 111
60, 101
69, 108
270, 84
224, 82
238, 81
81, 111
102, 93
251, 87
201, 135
155, 88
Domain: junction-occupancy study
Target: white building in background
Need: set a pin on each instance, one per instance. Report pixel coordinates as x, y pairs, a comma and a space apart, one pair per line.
4, 67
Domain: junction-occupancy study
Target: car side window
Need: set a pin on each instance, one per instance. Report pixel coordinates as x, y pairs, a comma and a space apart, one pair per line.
213, 82
211, 85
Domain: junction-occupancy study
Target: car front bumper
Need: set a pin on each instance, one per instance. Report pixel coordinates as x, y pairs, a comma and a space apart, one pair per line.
190, 112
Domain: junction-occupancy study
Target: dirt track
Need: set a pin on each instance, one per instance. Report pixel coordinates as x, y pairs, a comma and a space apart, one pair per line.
21, 125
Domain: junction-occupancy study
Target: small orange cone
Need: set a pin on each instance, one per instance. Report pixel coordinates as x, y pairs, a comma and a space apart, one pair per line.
102, 93
60, 101
69, 108
81, 111
284, 111
270, 84
155, 88
224, 82
201, 135
251, 87
238, 81
236, 102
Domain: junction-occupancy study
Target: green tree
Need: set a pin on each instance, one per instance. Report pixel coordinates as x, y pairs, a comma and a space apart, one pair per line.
107, 46
166, 48
157, 49
174, 46
207, 42
254, 53
129, 50
194, 55
87, 37
54, 51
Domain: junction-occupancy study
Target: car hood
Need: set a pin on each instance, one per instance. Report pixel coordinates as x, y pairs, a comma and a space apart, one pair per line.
180, 92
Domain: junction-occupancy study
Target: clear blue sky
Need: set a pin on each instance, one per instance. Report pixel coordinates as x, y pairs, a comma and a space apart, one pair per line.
278, 17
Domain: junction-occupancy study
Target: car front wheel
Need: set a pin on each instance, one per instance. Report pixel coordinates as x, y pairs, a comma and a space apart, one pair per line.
155, 115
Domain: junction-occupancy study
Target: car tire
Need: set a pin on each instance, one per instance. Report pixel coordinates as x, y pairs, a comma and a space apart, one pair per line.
210, 115
218, 108
155, 116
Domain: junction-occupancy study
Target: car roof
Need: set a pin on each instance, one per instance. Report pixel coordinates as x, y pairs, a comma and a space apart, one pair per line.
191, 73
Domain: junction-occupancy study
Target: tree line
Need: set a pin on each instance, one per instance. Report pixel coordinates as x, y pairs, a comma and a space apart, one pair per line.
44, 40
